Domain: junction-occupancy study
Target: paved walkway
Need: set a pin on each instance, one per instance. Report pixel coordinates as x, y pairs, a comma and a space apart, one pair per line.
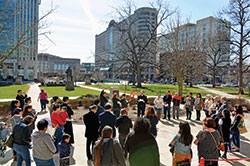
166, 131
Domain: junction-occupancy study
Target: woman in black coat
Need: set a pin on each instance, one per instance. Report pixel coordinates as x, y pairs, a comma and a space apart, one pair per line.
116, 105
225, 124
68, 128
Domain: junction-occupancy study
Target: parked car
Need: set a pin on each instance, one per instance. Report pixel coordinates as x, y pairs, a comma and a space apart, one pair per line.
217, 84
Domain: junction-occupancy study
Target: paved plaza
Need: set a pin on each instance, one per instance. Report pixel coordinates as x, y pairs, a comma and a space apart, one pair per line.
166, 131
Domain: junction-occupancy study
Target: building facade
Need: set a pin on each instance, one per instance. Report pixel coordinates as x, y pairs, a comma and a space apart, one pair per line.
22, 33
199, 36
54, 66
87, 68
110, 44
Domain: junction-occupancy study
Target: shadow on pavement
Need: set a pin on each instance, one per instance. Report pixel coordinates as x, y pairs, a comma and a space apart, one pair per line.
166, 123
72, 160
8, 157
197, 122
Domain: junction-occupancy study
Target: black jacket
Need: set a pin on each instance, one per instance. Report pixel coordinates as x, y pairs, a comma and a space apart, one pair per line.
92, 124
21, 99
107, 118
103, 100
69, 110
124, 103
21, 134
143, 98
123, 123
100, 110
167, 99
116, 105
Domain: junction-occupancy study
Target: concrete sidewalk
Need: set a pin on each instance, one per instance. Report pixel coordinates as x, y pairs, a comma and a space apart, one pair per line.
166, 131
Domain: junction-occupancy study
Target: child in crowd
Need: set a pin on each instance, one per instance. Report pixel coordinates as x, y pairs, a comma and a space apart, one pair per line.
14, 104
64, 116
64, 150
27, 101
17, 117
123, 124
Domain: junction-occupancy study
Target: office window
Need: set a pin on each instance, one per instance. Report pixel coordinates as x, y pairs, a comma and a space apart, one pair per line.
55, 67
153, 14
63, 67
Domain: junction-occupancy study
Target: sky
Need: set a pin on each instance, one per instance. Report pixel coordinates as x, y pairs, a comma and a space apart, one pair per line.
74, 24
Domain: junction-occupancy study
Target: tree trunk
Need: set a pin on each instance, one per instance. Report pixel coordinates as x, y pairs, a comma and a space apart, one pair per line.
180, 85
138, 77
214, 77
240, 73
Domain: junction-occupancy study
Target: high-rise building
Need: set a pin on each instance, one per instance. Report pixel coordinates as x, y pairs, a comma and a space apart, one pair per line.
110, 43
22, 32
201, 34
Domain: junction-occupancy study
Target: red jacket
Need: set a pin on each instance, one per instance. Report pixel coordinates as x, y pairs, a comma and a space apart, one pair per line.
64, 116
56, 120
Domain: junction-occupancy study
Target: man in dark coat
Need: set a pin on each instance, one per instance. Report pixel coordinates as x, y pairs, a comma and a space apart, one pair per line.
68, 128
141, 101
92, 124
100, 109
21, 96
103, 98
167, 104
108, 118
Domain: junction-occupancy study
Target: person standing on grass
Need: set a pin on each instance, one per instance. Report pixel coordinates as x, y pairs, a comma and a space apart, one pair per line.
64, 150
182, 144
103, 97
43, 145
107, 119
22, 141
21, 96
176, 105
100, 109
124, 124
150, 114
43, 100
167, 104
142, 100
225, 124
91, 121
158, 106
189, 105
68, 128
198, 106
116, 105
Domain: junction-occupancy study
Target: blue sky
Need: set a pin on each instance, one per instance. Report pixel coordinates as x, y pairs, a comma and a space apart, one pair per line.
76, 22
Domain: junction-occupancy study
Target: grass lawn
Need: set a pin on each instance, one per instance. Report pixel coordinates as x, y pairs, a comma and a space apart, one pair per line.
10, 92
60, 91
231, 90
153, 90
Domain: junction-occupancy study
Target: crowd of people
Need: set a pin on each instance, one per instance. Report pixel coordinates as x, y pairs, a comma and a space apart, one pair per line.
135, 142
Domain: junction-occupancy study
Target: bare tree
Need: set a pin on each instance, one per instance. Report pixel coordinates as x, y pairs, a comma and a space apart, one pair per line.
217, 52
137, 50
238, 12
8, 12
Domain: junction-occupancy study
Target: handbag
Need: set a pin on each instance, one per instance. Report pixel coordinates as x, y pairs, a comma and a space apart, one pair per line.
10, 141
242, 128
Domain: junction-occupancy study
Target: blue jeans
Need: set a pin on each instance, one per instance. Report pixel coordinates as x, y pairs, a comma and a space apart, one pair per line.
49, 162
23, 153
43, 104
58, 135
236, 138
165, 112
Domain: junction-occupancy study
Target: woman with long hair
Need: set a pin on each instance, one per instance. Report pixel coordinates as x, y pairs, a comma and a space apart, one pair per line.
108, 151
28, 111
43, 99
150, 114
208, 105
225, 124
198, 106
182, 144
207, 141
116, 105
237, 122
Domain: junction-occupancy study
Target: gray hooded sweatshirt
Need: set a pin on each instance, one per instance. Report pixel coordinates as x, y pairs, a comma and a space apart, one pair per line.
43, 146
